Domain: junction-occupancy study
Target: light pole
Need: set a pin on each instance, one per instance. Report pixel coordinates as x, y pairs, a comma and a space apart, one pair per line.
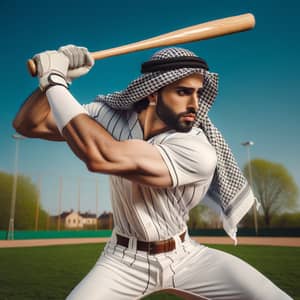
37, 207
78, 204
248, 144
97, 196
11, 225
59, 202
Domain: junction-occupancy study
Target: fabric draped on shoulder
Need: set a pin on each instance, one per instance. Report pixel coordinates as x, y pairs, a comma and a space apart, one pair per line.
229, 193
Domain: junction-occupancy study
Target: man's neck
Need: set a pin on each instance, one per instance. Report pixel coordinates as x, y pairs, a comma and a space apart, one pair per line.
151, 123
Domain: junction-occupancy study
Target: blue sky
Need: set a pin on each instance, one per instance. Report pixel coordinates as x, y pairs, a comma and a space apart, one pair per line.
259, 80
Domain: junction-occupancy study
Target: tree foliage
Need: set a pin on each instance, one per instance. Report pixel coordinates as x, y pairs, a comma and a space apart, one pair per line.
286, 220
273, 186
26, 201
202, 217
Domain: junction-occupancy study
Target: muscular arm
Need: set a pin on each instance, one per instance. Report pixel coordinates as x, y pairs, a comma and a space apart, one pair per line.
135, 160
34, 119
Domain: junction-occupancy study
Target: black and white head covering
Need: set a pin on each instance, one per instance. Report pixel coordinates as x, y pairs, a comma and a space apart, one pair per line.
229, 193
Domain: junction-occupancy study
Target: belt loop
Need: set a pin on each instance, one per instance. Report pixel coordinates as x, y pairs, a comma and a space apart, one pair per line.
178, 242
186, 236
113, 237
132, 244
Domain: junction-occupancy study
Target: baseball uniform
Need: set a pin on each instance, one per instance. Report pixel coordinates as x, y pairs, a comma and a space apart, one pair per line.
143, 214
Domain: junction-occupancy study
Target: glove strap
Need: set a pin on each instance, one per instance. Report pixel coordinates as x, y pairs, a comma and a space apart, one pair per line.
53, 79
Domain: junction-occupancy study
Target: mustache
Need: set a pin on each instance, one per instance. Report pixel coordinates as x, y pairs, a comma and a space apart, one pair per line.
190, 110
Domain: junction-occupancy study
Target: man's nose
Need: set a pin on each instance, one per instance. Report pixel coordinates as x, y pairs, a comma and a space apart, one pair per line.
194, 101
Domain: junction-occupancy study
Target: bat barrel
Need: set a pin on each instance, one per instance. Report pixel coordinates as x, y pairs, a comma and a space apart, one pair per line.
194, 33
189, 34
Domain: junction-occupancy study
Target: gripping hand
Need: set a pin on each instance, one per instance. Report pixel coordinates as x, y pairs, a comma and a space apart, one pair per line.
52, 68
81, 61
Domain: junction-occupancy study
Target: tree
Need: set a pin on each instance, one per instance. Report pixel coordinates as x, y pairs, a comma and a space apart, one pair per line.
287, 220
27, 195
203, 217
273, 186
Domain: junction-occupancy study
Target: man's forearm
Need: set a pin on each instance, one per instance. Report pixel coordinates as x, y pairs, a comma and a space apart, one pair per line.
33, 111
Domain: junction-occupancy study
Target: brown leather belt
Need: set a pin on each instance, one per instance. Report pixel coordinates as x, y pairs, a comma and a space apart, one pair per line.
151, 247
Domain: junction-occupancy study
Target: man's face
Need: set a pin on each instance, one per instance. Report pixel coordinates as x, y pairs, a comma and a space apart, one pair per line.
177, 103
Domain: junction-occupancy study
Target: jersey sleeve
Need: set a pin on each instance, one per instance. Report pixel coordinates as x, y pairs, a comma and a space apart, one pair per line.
94, 109
189, 158
102, 113
114, 121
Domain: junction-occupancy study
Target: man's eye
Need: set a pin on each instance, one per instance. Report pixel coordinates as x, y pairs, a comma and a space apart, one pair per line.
181, 92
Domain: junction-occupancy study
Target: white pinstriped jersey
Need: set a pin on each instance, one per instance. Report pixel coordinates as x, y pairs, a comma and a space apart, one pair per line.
149, 213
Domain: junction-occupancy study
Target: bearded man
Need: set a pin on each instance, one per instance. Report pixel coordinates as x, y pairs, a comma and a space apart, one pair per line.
163, 155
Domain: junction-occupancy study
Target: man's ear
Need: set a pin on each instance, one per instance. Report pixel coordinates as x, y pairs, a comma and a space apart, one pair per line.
152, 99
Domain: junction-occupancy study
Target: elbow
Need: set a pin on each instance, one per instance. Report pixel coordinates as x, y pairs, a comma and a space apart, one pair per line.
18, 122
15, 124
103, 161
92, 166
96, 166
104, 166
19, 127
94, 162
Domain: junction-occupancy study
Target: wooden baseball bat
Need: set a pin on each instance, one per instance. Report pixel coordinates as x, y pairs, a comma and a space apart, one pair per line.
189, 34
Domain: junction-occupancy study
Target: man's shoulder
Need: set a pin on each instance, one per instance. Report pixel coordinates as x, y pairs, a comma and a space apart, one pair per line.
195, 139
173, 134
190, 152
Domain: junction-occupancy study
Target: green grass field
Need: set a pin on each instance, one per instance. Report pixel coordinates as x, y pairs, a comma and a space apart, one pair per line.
51, 272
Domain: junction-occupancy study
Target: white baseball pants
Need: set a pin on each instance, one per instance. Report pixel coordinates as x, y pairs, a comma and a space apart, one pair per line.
191, 270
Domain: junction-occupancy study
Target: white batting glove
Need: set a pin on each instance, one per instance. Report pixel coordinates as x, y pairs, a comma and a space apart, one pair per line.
52, 68
81, 61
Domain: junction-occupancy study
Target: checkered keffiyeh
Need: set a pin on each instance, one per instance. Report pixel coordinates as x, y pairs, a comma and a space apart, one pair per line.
229, 191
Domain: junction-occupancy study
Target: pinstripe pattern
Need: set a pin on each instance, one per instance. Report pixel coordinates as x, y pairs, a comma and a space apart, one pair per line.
148, 281
228, 182
156, 214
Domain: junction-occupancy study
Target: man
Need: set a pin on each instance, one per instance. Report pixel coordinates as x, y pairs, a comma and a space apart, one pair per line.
164, 156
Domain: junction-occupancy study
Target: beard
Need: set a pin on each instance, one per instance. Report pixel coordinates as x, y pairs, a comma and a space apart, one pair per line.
171, 119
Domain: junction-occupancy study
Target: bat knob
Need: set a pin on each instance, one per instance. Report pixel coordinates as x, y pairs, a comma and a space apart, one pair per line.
31, 67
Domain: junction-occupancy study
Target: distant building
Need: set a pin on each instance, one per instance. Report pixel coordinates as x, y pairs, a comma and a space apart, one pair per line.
74, 220
88, 219
106, 220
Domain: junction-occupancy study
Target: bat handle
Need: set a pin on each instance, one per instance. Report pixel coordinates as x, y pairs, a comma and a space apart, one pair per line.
31, 66
32, 69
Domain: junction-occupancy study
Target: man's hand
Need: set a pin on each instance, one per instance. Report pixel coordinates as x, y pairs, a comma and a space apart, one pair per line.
81, 61
52, 68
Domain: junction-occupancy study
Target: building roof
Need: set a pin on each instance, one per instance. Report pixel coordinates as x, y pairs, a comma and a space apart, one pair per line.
105, 215
85, 215
88, 215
